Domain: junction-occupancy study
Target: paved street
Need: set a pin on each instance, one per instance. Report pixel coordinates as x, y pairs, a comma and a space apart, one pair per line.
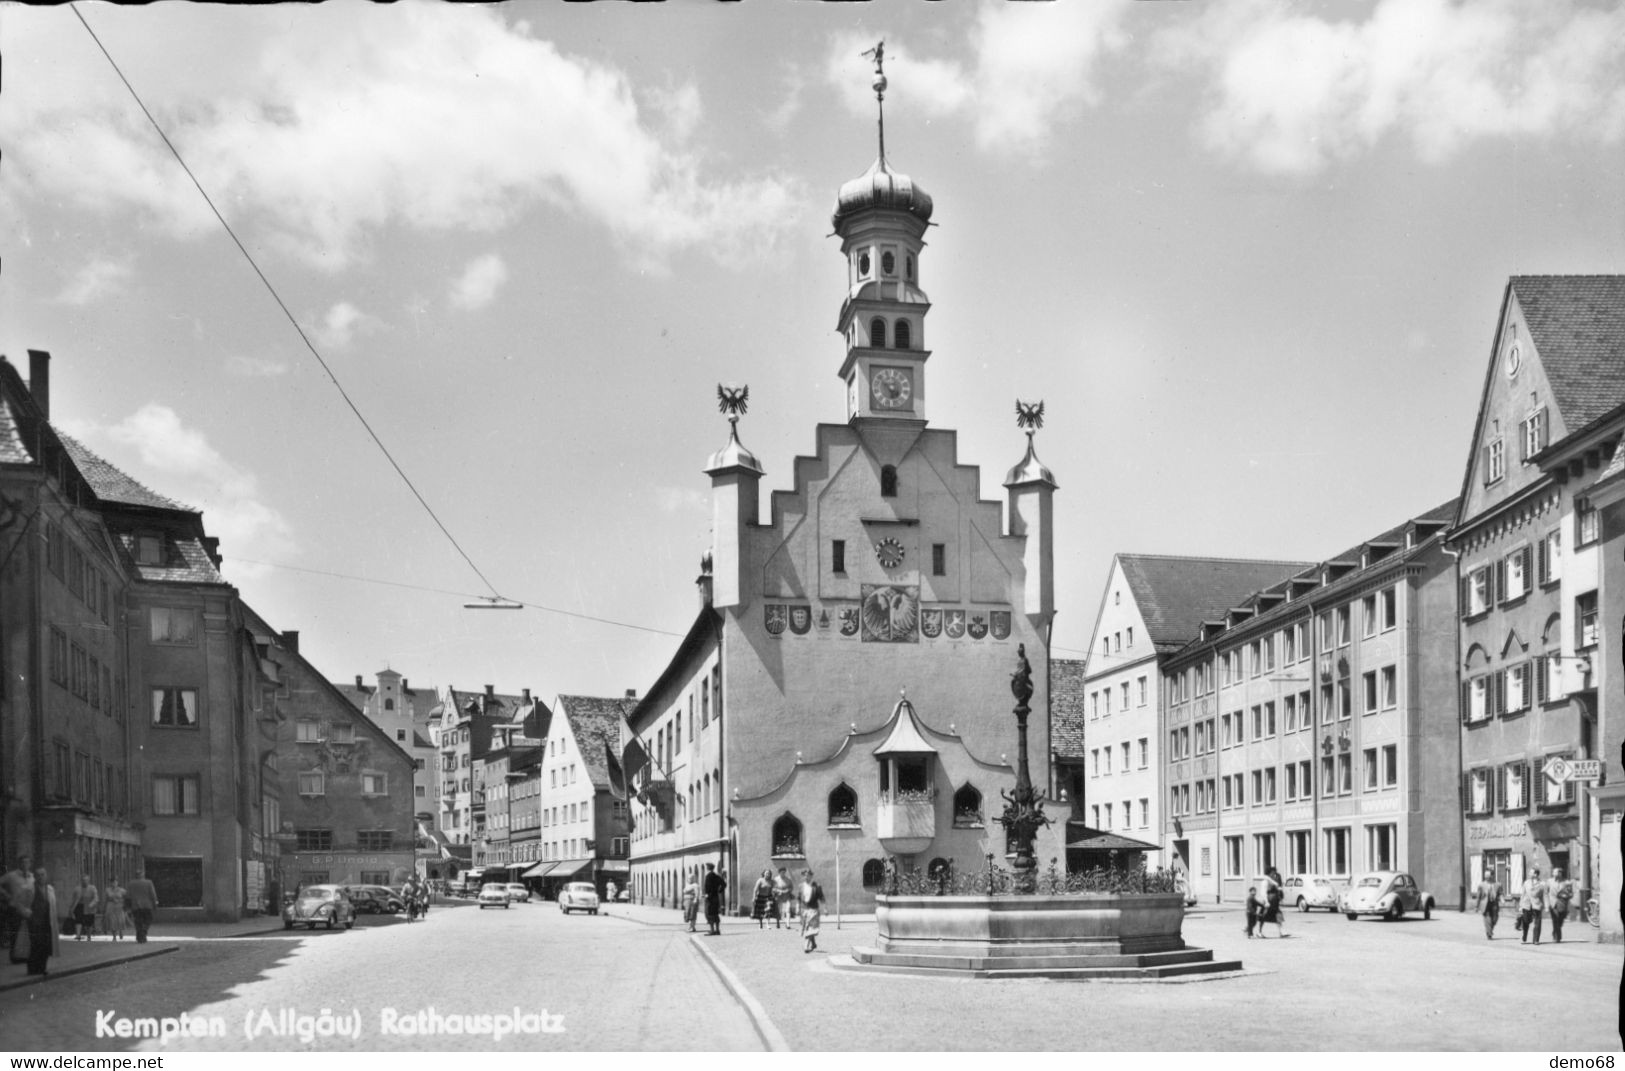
612, 983
634, 980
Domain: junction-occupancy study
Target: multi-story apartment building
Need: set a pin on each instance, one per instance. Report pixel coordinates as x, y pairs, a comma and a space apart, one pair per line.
525, 810
1152, 607
585, 826
1313, 727
463, 726
1529, 536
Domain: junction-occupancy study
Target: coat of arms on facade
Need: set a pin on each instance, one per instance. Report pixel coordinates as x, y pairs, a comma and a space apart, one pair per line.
890, 614
977, 627
800, 619
849, 621
1001, 624
823, 621
774, 617
930, 623
953, 625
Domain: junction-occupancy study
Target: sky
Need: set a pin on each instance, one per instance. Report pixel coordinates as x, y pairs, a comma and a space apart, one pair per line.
1250, 254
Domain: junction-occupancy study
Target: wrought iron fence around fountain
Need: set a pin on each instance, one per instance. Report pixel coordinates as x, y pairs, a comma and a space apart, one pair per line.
995, 880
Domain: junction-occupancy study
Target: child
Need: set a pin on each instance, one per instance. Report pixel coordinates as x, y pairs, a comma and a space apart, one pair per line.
1255, 911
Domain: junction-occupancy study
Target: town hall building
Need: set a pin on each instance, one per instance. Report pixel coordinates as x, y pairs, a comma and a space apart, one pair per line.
843, 694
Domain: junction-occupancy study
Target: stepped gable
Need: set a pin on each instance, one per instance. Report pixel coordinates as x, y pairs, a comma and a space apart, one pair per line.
1175, 595
1577, 323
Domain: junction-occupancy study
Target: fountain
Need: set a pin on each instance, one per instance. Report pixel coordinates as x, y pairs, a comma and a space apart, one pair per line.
1118, 930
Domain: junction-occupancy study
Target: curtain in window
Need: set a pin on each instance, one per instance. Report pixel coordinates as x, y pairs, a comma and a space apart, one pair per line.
164, 796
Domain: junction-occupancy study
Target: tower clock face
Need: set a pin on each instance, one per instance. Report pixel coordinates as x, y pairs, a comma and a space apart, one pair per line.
891, 388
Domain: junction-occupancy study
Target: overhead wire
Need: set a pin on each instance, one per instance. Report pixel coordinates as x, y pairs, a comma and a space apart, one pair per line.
309, 345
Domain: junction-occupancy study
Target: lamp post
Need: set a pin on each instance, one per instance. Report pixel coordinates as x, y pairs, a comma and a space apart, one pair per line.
1023, 815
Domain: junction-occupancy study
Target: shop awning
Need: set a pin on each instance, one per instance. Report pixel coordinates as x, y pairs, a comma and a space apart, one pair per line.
570, 868
615, 866
1082, 836
539, 870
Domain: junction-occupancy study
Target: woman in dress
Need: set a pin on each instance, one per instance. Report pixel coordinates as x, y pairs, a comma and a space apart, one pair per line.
43, 926
812, 911
1274, 893
114, 911
85, 899
691, 900
761, 904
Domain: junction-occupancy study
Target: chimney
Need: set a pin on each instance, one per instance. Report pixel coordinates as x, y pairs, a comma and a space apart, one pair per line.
405, 686
290, 640
358, 685
211, 547
490, 691
704, 581
527, 696
631, 693
39, 380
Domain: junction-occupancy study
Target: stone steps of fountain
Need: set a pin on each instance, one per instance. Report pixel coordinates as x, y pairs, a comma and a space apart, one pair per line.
1145, 966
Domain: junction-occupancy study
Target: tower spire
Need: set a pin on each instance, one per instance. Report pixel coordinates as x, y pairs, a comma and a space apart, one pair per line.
879, 55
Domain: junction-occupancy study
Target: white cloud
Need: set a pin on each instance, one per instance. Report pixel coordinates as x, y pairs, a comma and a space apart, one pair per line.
97, 279
315, 129
480, 281
153, 445
1032, 64
340, 325
680, 108
1293, 90
254, 367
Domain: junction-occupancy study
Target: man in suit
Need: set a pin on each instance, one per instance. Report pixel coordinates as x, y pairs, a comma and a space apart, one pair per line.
712, 889
143, 902
1488, 903
1559, 894
1531, 906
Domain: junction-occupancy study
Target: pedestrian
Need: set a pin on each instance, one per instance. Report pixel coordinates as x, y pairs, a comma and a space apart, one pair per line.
1531, 906
1487, 902
761, 901
143, 902
712, 889
113, 909
812, 911
611, 892
1255, 911
691, 900
43, 930
781, 899
16, 900
85, 899
1274, 893
1558, 896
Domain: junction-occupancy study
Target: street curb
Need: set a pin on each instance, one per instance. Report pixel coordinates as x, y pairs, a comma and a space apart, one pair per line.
753, 1008
36, 979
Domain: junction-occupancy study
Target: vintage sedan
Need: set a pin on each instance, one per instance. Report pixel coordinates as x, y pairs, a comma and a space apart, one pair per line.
494, 894
319, 905
376, 900
1389, 893
517, 892
1305, 891
579, 896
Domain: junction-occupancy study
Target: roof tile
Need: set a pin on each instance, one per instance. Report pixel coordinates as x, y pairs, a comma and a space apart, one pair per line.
1577, 323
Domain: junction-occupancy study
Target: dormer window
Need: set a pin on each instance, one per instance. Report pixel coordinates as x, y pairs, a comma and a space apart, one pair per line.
903, 340
149, 550
877, 333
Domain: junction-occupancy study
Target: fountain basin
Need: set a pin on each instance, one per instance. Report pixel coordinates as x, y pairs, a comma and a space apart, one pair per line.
1081, 935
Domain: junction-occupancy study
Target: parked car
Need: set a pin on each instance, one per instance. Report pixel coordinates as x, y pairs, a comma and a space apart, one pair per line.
579, 896
494, 894
1305, 891
315, 905
1389, 893
375, 900
517, 892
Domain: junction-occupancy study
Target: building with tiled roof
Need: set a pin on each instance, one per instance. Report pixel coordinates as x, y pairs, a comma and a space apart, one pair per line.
1153, 605
135, 746
403, 712
465, 727
585, 827
1539, 537
1311, 727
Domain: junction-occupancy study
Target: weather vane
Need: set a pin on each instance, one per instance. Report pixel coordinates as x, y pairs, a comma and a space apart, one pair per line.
878, 54
732, 400
1030, 416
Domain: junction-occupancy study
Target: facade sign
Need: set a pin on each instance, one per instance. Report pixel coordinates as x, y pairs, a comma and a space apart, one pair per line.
1510, 827
1585, 769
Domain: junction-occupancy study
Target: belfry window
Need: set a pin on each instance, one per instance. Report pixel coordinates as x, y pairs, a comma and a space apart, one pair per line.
787, 836
888, 263
903, 339
888, 481
877, 333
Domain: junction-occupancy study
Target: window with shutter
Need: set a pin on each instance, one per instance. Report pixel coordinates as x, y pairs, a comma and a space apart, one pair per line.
1539, 664
1498, 683
1501, 578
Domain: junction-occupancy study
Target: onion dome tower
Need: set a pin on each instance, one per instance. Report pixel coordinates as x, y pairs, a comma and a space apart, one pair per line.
881, 217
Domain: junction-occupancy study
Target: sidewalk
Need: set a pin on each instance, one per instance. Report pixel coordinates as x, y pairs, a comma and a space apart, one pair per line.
76, 957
